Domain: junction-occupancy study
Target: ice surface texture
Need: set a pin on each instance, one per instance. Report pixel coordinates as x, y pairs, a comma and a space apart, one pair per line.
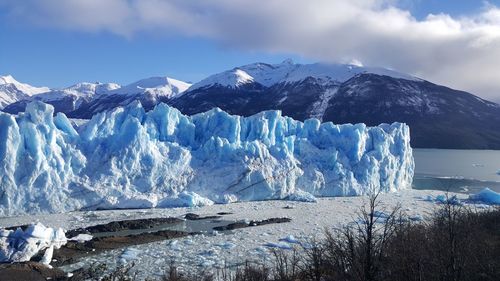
21, 245
127, 158
487, 196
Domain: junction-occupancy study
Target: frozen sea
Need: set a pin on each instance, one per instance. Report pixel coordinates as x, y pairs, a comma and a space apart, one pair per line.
466, 171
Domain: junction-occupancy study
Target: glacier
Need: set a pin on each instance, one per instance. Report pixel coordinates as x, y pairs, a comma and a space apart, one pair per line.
130, 158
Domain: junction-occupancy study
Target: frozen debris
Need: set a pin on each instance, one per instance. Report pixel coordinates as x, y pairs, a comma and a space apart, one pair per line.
442, 199
380, 214
130, 158
185, 199
416, 218
129, 254
82, 237
428, 198
487, 196
226, 245
175, 246
290, 239
302, 196
280, 245
21, 245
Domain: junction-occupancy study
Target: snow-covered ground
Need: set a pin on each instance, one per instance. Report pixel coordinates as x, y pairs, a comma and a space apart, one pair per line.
214, 250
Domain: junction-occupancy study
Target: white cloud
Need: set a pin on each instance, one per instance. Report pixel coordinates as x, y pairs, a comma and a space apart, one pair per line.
460, 52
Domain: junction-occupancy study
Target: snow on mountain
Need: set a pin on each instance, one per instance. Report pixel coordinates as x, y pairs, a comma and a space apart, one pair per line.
84, 90
127, 158
85, 99
289, 72
158, 86
231, 79
11, 90
344, 93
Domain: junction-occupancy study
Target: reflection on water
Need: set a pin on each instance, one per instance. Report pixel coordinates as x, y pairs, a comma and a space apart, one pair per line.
456, 170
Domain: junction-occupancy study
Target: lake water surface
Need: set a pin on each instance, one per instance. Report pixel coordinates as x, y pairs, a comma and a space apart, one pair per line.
457, 170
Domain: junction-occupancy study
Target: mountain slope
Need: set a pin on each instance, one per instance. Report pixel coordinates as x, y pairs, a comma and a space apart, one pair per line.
83, 100
12, 91
439, 117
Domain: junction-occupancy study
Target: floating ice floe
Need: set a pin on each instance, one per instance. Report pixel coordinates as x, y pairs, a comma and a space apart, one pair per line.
416, 217
487, 196
185, 199
82, 237
279, 245
380, 214
129, 158
443, 199
302, 196
290, 239
129, 254
21, 245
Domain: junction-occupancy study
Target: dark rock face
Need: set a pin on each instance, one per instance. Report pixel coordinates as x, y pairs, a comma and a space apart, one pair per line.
123, 225
439, 117
72, 251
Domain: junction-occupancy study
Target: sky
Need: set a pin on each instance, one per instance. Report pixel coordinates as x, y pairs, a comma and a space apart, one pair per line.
58, 43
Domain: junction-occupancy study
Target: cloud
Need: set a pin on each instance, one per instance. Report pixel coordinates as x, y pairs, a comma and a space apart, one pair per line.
462, 52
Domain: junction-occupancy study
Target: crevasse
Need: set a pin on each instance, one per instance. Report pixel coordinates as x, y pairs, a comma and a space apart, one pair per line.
129, 158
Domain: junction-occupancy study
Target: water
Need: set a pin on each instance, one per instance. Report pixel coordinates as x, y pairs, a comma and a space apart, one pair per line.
465, 171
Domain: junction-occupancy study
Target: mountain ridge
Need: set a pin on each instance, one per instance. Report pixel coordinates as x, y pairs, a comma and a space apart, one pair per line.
439, 117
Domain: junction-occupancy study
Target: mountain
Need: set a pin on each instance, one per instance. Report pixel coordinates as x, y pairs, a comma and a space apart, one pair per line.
12, 91
149, 92
439, 117
67, 99
83, 100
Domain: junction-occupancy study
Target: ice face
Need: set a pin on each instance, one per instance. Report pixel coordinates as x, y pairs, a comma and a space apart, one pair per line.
129, 158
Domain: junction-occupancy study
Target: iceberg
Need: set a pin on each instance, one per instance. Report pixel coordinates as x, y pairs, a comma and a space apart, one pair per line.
487, 196
21, 245
130, 158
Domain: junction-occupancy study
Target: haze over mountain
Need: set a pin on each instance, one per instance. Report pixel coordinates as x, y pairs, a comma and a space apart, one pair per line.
439, 117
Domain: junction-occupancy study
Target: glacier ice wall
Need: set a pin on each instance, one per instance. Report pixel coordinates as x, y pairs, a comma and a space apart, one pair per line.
129, 158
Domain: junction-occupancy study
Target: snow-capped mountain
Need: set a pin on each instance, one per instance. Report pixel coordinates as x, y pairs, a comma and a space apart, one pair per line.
11, 90
149, 92
438, 116
83, 100
268, 75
